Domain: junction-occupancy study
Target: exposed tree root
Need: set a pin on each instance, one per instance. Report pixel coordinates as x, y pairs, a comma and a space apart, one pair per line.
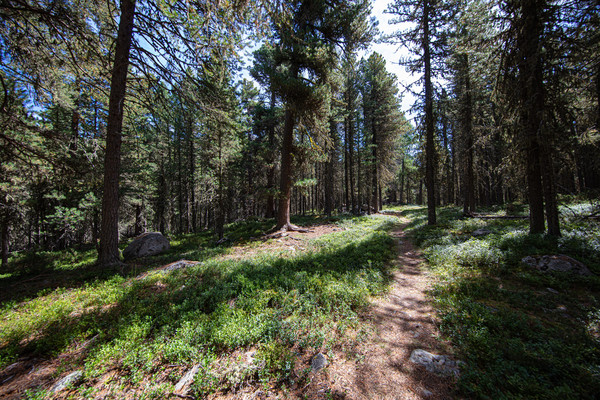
284, 231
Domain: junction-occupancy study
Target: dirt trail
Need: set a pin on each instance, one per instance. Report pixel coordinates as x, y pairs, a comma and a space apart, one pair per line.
402, 321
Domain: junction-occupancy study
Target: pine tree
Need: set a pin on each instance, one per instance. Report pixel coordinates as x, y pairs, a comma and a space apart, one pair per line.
426, 42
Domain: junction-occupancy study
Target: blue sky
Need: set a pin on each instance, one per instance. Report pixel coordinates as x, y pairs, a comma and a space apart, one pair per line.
391, 52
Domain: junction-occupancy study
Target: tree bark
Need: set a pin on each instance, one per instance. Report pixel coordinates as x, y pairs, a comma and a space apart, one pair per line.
532, 104
285, 187
346, 167
192, 180
270, 212
109, 231
329, 184
467, 132
549, 183
374, 180
446, 174
350, 127
429, 123
5, 233
139, 220
402, 182
75, 118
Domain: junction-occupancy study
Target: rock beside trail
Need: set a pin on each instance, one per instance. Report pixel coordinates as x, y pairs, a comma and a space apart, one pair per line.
438, 364
557, 263
71, 379
147, 244
318, 362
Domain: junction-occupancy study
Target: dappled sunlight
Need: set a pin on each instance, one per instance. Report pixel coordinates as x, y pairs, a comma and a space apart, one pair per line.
207, 310
519, 331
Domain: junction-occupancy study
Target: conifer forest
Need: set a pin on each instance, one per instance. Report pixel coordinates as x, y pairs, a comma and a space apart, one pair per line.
284, 159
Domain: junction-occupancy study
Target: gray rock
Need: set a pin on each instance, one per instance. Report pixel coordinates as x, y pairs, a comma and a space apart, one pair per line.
557, 263
72, 379
529, 260
147, 244
318, 362
481, 232
187, 379
180, 265
438, 364
426, 393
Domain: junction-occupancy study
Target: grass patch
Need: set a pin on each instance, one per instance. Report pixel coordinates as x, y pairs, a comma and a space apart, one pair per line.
152, 329
522, 334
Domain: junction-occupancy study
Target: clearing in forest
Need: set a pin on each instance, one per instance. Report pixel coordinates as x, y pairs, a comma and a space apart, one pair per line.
247, 317
256, 319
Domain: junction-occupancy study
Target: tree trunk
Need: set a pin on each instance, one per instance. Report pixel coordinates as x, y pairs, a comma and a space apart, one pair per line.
220, 220
429, 123
270, 212
139, 223
598, 97
350, 127
75, 118
532, 104
346, 167
192, 181
95, 223
402, 178
446, 174
329, 184
5, 233
453, 178
374, 182
109, 231
467, 132
285, 187
548, 181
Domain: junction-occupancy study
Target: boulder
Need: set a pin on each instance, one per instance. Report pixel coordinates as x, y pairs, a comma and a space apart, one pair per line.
318, 362
438, 364
147, 244
557, 263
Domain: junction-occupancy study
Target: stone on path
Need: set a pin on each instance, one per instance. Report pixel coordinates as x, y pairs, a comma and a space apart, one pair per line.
318, 362
557, 263
438, 364
147, 244
187, 379
71, 379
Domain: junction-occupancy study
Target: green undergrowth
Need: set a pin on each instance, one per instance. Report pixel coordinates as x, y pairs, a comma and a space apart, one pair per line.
152, 327
521, 333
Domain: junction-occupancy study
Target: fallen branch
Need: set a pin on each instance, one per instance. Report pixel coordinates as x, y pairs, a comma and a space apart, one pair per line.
183, 396
497, 216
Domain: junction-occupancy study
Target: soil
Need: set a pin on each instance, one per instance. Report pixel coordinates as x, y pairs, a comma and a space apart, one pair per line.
377, 368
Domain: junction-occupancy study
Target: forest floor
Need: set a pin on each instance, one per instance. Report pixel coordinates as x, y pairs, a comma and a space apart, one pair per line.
249, 316
398, 322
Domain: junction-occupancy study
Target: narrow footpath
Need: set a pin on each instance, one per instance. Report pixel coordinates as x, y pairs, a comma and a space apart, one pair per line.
401, 321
